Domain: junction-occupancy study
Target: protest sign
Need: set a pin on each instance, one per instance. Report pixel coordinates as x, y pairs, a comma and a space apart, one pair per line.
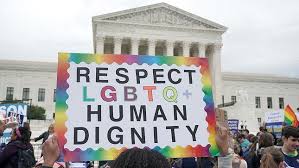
221, 117
12, 113
274, 121
108, 103
274, 116
233, 125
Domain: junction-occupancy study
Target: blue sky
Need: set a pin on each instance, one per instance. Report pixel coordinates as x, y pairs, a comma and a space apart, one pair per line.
262, 35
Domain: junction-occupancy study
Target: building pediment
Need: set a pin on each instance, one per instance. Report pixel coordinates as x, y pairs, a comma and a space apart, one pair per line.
161, 14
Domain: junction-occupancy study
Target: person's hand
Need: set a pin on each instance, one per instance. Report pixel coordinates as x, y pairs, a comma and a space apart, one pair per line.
2, 127
50, 150
13, 124
222, 138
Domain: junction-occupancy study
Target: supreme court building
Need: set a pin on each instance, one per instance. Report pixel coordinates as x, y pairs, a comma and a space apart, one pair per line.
160, 29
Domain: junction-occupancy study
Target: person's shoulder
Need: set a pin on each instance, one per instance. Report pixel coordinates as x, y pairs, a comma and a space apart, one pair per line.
22, 145
11, 146
13, 143
243, 163
293, 161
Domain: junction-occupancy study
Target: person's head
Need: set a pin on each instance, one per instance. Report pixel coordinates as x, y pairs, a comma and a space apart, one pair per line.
266, 140
140, 158
237, 148
272, 158
249, 137
27, 125
2, 127
21, 134
262, 129
246, 132
290, 137
51, 128
253, 139
240, 138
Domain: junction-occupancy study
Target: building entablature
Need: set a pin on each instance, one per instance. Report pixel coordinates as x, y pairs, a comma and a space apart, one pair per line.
265, 78
14, 65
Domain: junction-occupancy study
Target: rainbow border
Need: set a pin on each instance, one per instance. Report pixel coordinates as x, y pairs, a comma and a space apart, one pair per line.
110, 154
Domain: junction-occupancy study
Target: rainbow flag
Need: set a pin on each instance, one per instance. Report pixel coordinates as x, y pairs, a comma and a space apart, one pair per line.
290, 117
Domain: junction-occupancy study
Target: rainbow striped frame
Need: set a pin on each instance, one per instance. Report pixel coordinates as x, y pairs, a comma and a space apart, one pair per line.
112, 153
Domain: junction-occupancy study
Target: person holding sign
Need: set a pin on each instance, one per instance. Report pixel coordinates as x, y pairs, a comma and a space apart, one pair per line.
51, 152
18, 152
127, 101
4, 125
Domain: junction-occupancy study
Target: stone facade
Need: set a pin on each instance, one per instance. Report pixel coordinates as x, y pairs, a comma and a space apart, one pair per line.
161, 29
33, 75
252, 92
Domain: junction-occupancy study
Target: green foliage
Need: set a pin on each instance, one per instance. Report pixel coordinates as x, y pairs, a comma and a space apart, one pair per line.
36, 113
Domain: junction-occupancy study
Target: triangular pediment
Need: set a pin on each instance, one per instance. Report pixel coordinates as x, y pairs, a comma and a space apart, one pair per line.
160, 14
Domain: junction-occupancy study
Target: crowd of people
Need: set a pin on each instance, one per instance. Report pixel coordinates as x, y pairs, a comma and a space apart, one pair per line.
241, 150
265, 150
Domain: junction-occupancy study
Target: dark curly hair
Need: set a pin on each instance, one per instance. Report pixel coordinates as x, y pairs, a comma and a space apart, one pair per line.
140, 158
25, 134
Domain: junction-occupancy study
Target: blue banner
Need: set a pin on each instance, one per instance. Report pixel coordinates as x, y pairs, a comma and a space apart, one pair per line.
275, 128
12, 113
233, 125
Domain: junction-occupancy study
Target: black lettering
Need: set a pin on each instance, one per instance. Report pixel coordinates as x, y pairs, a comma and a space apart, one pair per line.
76, 129
120, 139
190, 75
155, 135
177, 110
158, 75
97, 135
172, 132
141, 138
118, 73
170, 76
99, 74
159, 109
139, 76
85, 74
121, 113
193, 132
138, 116
89, 113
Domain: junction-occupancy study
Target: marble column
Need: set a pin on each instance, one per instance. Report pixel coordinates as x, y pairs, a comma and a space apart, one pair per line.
117, 45
215, 68
169, 48
186, 48
151, 47
134, 46
100, 45
202, 50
